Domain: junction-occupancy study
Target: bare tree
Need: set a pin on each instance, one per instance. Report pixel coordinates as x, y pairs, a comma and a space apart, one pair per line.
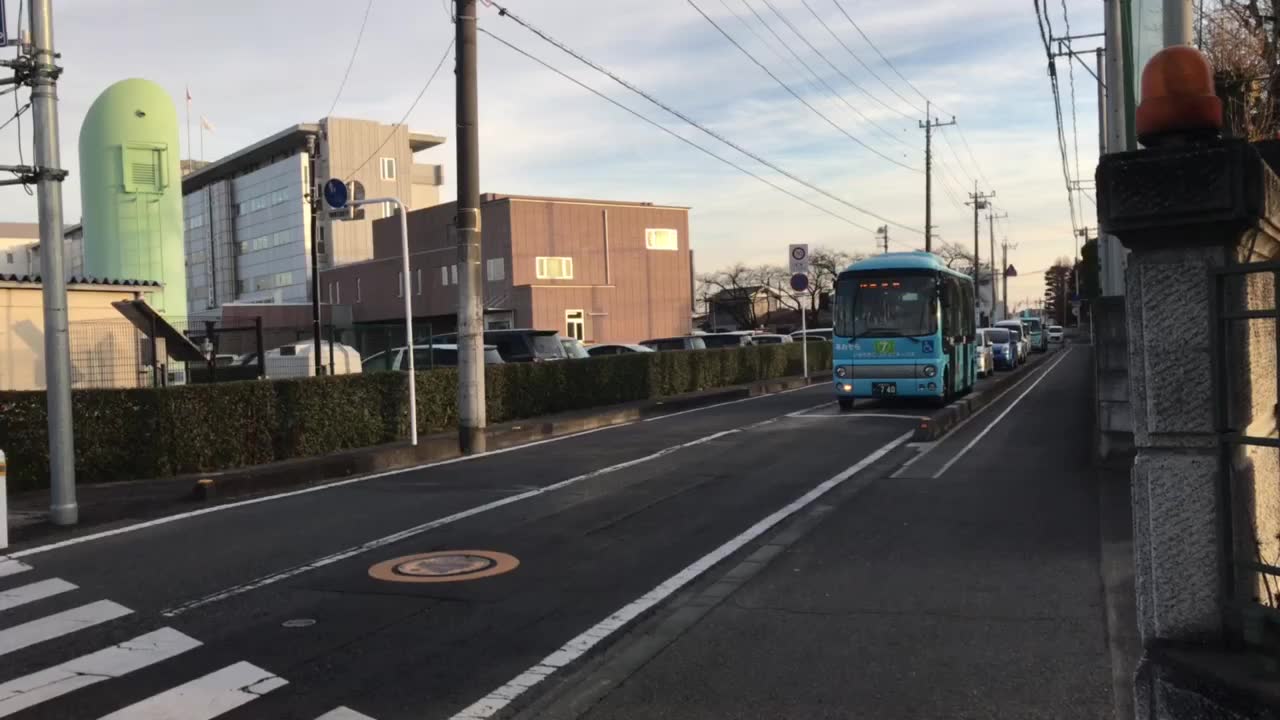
732, 291
1242, 41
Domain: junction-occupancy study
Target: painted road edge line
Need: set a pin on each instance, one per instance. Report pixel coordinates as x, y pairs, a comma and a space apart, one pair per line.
432, 525
7, 569
494, 702
951, 433
729, 402
1001, 416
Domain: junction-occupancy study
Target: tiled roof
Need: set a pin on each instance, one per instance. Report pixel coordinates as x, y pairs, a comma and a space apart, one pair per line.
81, 280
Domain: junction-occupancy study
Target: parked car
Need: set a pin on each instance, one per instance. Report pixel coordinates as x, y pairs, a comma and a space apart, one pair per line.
520, 345
297, 359
769, 339
737, 338
616, 349
424, 357
574, 348
1020, 344
687, 342
1056, 333
813, 335
1004, 348
986, 359
1035, 333
1023, 336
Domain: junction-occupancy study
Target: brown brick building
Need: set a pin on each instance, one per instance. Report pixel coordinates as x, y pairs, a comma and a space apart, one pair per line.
604, 271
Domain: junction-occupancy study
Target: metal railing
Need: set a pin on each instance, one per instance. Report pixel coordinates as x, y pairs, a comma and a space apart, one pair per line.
1245, 359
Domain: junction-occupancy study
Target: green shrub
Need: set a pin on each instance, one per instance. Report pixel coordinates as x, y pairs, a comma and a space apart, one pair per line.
158, 432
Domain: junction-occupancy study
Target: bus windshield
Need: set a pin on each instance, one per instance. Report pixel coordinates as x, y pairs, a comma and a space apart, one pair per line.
886, 306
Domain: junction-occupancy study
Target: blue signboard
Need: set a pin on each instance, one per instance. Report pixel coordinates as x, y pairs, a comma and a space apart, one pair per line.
335, 194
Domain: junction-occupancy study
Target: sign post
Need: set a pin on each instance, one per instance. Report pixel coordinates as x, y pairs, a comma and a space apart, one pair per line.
798, 259
4, 40
337, 197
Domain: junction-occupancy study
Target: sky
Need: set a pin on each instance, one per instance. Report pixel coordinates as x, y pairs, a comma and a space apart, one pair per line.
254, 68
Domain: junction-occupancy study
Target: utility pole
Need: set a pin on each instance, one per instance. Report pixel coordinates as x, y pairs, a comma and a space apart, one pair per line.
471, 396
991, 225
882, 234
1111, 253
1004, 273
1178, 25
313, 202
979, 202
928, 125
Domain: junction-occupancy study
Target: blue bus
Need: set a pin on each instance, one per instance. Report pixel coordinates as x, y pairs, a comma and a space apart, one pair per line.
904, 326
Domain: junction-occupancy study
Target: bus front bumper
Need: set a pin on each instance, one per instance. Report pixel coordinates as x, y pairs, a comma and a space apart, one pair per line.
889, 388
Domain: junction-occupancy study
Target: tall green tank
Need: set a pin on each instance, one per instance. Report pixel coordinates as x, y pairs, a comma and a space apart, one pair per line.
131, 191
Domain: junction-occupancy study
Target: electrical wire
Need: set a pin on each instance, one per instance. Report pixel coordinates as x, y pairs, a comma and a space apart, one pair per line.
791, 64
17, 114
1041, 22
797, 96
404, 118
652, 99
882, 57
967, 177
1071, 77
831, 92
354, 51
17, 111
858, 58
672, 133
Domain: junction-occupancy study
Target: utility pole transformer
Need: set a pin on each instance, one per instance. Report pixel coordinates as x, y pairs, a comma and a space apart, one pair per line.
63, 509
928, 125
471, 397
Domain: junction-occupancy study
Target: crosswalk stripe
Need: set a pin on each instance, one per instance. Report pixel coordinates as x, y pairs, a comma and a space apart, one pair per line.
207, 697
59, 624
9, 566
86, 670
10, 599
343, 713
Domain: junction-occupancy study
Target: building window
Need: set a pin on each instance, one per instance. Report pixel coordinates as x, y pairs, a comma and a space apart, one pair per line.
359, 295
453, 274
661, 239
337, 293
554, 268
388, 168
279, 196
495, 269
320, 242
417, 277
8, 258
400, 284
330, 293
575, 324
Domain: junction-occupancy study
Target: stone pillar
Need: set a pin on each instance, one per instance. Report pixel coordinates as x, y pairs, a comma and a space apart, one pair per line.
1183, 211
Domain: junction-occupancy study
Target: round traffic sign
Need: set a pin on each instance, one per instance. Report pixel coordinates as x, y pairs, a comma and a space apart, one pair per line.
335, 194
799, 282
799, 252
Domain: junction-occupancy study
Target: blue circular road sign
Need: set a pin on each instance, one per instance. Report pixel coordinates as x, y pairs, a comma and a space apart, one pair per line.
335, 194
799, 282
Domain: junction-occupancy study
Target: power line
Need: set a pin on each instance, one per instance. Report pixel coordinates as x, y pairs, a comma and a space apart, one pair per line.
825, 59
1071, 78
351, 63
882, 57
404, 118
966, 176
672, 133
791, 64
1043, 23
830, 90
796, 95
651, 98
855, 55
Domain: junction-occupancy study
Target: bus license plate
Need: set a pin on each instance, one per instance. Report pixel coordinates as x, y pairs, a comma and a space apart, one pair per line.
886, 388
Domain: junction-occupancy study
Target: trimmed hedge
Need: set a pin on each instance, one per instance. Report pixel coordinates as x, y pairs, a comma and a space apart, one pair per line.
148, 433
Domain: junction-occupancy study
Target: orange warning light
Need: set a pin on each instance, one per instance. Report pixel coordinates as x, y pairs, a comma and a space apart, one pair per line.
1177, 96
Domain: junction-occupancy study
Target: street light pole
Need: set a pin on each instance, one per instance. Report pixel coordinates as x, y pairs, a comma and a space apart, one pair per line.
63, 509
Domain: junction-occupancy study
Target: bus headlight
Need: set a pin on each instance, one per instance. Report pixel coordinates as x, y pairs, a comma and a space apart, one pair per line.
929, 370
842, 371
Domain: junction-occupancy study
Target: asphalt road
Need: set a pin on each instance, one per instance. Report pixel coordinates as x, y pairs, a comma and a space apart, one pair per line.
268, 609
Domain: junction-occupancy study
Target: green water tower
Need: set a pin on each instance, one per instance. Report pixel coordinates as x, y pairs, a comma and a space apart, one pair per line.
131, 191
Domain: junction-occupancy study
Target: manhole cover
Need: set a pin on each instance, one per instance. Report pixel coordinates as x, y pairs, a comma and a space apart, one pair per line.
444, 566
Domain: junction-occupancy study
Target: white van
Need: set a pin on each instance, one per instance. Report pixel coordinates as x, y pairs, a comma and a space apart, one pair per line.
298, 359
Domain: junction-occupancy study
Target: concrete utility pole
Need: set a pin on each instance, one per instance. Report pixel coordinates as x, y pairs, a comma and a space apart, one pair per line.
928, 125
471, 407
991, 226
63, 509
1178, 23
979, 202
313, 202
1110, 252
1004, 273
882, 234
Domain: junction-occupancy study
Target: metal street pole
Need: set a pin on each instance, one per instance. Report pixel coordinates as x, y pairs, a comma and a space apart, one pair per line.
1110, 252
471, 397
408, 306
313, 202
63, 509
804, 336
1178, 26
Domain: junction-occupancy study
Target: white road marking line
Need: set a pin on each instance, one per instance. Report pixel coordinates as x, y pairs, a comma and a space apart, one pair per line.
343, 713
19, 567
10, 599
218, 692
931, 446
432, 525
1001, 416
729, 402
59, 624
9, 566
495, 701
855, 414
106, 664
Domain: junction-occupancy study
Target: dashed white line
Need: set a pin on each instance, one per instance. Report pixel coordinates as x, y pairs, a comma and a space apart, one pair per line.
59, 624
10, 599
206, 697
495, 701
343, 713
106, 664
9, 566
